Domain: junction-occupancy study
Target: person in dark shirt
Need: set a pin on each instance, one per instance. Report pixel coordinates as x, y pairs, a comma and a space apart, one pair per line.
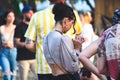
26, 58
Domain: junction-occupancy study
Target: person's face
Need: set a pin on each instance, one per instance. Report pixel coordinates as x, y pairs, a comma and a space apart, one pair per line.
28, 15
68, 23
10, 17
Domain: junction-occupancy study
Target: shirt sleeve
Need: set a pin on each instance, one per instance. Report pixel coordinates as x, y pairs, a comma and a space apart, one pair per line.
31, 30
67, 46
88, 32
101, 48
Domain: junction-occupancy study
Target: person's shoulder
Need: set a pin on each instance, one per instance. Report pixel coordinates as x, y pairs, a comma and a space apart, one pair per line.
48, 8
44, 10
2, 26
87, 25
75, 11
110, 28
20, 25
36, 13
117, 25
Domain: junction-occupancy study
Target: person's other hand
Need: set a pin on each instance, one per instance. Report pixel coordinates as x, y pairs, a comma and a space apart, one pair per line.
77, 43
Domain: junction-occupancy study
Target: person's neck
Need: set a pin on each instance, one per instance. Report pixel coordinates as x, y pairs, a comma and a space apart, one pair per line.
87, 21
9, 24
58, 27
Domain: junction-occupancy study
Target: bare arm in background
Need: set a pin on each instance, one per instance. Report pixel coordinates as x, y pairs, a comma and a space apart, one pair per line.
86, 54
30, 45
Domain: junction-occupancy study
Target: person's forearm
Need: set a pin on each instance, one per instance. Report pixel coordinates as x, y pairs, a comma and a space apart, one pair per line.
89, 65
19, 44
86, 54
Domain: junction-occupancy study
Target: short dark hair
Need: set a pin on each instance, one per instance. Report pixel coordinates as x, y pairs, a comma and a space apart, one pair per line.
26, 9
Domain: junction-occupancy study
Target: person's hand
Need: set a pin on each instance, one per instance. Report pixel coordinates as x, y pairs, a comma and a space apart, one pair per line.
77, 43
30, 45
80, 38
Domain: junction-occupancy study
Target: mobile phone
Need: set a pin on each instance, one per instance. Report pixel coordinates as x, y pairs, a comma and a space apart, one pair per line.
80, 38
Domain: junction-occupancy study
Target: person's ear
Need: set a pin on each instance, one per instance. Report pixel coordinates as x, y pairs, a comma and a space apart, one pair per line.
65, 20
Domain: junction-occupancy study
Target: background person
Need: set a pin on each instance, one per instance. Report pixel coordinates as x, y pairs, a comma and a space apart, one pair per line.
41, 24
88, 34
109, 50
108, 47
26, 58
8, 51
